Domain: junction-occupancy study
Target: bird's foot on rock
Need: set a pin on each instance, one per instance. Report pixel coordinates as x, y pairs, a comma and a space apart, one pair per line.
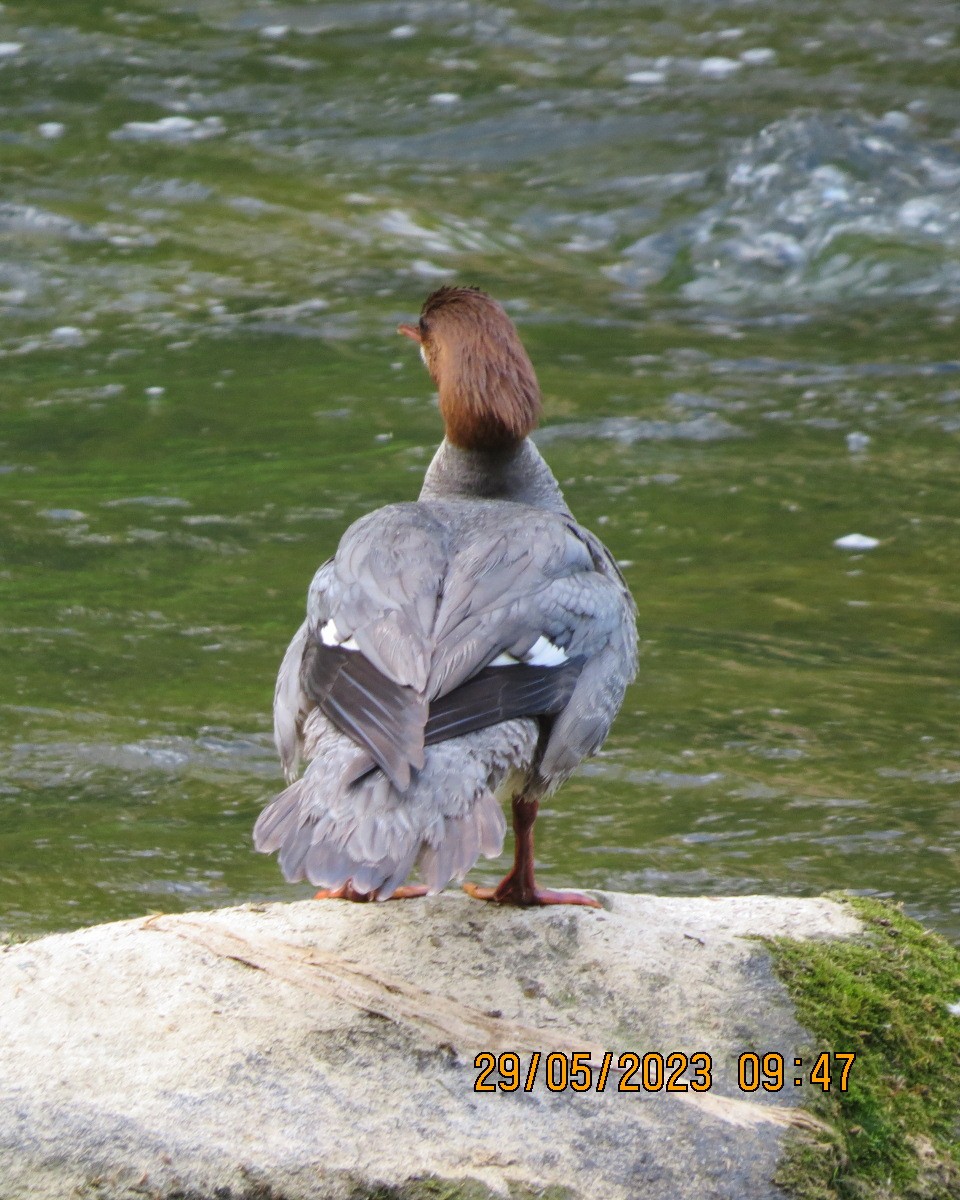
509, 891
409, 891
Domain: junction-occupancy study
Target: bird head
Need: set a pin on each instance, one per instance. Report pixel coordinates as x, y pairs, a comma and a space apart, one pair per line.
489, 395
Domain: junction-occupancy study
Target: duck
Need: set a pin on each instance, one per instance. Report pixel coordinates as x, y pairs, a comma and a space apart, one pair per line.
460, 651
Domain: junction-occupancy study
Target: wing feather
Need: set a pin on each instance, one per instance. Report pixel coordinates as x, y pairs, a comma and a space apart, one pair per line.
499, 694
378, 714
430, 593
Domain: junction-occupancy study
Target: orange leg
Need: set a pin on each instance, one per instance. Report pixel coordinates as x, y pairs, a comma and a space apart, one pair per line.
518, 886
348, 892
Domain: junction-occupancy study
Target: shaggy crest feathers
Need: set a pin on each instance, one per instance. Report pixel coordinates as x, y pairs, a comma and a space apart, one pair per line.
489, 395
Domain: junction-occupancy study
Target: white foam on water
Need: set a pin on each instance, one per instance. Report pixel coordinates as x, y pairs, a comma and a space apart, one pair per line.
170, 129
856, 541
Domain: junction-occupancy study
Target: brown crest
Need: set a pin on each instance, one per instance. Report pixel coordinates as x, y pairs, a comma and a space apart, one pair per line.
489, 395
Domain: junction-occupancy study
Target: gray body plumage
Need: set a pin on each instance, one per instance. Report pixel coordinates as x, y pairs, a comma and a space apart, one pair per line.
487, 567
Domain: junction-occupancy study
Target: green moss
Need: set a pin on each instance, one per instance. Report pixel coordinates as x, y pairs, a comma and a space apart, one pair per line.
895, 1133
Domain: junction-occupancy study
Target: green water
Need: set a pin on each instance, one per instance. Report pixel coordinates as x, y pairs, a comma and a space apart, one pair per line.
720, 272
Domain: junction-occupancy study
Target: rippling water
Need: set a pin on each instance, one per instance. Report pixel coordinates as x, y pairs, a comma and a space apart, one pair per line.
730, 236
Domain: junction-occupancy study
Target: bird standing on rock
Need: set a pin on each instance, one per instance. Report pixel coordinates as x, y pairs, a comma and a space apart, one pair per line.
471, 646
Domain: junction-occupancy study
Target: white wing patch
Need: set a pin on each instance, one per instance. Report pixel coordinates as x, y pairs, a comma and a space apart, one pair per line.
330, 635
543, 653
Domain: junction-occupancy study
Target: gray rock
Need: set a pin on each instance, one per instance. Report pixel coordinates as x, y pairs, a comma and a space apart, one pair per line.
326, 1050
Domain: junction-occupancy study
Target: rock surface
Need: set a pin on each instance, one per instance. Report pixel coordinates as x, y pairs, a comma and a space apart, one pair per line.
325, 1050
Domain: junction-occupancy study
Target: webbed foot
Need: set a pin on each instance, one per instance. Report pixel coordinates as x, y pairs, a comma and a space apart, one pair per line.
408, 891
509, 891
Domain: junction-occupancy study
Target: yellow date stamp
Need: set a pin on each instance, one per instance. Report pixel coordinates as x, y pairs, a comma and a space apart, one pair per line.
676, 1071
578, 1072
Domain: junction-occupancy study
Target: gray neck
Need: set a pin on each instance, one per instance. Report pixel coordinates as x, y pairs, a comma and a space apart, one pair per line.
518, 474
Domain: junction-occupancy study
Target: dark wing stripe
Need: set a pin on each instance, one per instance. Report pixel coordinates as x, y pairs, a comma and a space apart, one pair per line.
392, 722
378, 714
498, 694
373, 703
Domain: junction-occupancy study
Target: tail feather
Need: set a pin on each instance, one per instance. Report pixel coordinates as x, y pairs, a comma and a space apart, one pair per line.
278, 821
445, 862
492, 827
295, 851
369, 878
460, 842
389, 886
333, 826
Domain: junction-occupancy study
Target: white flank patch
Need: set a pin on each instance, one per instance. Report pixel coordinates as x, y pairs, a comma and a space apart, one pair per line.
330, 635
543, 653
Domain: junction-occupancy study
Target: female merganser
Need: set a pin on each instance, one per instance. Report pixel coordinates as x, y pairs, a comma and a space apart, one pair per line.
473, 644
